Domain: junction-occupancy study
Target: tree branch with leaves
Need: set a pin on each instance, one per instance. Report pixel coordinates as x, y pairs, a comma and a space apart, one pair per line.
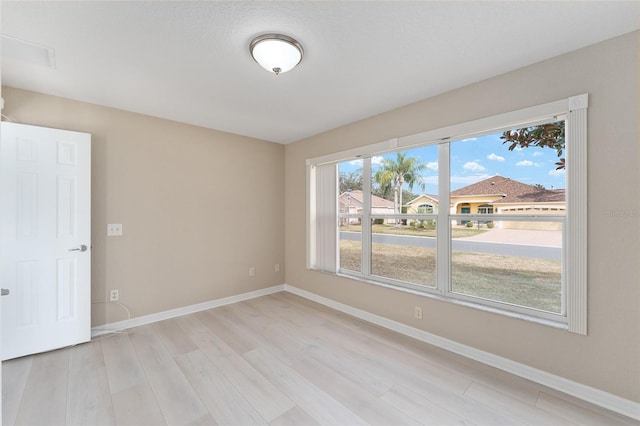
550, 135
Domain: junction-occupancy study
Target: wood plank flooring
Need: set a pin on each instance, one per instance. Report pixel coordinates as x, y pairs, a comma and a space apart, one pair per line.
277, 360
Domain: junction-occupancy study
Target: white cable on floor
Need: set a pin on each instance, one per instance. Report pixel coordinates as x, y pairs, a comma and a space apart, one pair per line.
114, 332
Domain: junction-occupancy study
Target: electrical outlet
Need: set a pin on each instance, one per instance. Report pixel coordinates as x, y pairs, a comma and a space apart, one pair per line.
114, 230
114, 295
417, 312
277, 268
252, 271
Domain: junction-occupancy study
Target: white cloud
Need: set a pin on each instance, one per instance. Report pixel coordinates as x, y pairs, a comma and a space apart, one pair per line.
473, 166
495, 157
375, 161
537, 154
469, 179
432, 165
469, 139
524, 163
555, 172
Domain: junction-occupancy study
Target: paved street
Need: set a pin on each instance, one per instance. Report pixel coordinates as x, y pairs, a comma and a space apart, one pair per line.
539, 244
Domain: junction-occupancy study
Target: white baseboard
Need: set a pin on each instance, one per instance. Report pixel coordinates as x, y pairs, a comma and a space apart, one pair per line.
161, 316
586, 393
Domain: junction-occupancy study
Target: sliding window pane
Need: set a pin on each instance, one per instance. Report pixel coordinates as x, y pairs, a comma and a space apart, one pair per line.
402, 255
508, 170
405, 182
405, 189
514, 262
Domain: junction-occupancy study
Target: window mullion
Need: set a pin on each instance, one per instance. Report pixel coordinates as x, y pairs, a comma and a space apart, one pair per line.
366, 217
443, 225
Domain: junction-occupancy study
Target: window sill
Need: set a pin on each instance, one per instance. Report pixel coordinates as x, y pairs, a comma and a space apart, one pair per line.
510, 314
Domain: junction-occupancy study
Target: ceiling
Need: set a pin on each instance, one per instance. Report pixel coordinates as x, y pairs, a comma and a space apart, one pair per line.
189, 61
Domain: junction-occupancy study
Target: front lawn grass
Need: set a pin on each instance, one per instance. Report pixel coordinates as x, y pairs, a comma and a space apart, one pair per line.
456, 232
535, 283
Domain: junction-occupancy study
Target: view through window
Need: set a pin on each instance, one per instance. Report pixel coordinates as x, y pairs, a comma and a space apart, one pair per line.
503, 218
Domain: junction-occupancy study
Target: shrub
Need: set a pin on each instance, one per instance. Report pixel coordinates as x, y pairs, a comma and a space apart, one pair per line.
378, 221
490, 225
469, 224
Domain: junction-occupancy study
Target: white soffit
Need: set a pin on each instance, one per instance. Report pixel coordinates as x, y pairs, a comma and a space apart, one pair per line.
190, 61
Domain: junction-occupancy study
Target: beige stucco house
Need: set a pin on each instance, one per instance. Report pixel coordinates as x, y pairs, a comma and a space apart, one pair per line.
350, 202
424, 203
499, 195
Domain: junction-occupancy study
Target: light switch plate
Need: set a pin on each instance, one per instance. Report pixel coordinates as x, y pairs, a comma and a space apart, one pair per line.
114, 230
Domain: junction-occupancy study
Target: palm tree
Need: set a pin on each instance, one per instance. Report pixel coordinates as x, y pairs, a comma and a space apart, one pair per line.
395, 173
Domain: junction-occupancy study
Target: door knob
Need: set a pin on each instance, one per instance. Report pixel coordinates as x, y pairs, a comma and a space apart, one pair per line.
81, 248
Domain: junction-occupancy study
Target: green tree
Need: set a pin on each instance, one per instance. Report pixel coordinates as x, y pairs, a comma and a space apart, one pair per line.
378, 192
550, 135
408, 195
395, 173
351, 181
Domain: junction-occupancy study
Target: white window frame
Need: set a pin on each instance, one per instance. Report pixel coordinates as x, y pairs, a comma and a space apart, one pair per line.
574, 109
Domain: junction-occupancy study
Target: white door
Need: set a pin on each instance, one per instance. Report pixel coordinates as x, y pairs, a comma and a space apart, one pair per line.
45, 238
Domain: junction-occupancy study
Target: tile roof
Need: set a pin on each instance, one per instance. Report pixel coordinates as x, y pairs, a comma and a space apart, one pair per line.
356, 199
431, 196
535, 195
510, 191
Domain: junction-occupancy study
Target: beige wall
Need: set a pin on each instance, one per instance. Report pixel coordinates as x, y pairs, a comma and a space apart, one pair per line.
198, 206
608, 358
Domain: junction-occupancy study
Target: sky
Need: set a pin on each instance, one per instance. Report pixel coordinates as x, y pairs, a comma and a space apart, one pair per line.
475, 159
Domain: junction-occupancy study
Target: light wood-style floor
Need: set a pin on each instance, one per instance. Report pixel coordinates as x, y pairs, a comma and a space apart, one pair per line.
278, 360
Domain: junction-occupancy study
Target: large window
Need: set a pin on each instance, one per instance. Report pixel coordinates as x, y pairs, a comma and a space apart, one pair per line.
494, 218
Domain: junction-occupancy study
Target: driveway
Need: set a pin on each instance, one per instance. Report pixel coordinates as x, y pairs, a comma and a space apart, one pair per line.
519, 236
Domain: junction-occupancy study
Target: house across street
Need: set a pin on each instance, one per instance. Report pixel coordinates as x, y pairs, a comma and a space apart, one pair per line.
499, 195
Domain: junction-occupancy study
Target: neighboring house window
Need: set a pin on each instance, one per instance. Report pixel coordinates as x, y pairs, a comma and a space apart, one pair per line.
485, 209
424, 208
534, 264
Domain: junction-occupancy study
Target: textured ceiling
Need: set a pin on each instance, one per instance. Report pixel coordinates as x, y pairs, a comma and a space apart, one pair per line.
190, 62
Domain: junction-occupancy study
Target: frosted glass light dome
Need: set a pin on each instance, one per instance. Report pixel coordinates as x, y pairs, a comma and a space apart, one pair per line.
276, 53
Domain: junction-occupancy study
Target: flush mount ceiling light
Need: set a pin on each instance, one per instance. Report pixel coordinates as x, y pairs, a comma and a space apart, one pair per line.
276, 53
